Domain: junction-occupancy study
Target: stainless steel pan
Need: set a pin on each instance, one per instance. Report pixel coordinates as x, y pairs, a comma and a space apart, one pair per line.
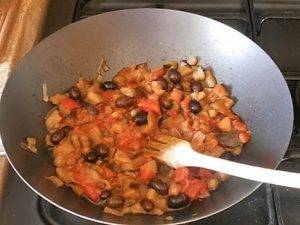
145, 35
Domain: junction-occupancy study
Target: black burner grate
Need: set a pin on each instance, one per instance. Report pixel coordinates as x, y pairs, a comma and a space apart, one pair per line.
234, 13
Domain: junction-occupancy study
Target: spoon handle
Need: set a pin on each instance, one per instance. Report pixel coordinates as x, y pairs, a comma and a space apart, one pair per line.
277, 177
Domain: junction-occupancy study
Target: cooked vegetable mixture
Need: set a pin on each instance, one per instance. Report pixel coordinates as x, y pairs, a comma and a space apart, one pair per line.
99, 133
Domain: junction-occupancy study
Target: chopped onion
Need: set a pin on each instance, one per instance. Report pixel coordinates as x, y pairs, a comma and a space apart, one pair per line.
113, 211
30, 145
210, 79
53, 120
170, 218
93, 98
130, 92
192, 61
107, 184
222, 176
198, 137
133, 112
212, 184
185, 70
103, 66
45, 93
199, 74
198, 95
56, 181
135, 208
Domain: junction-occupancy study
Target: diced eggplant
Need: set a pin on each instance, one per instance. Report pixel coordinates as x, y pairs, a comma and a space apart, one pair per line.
228, 139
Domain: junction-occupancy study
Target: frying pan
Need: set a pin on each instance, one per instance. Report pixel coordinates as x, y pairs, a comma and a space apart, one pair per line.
145, 35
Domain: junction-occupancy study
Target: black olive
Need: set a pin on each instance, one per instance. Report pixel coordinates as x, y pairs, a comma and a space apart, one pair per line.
66, 129
105, 194
165, 103
115, 202
103, 150
74, 93
164, 83
91, 109
227, 156
147, 204
195, 106
109, 85
178, 201
141, 118
159, 186
58, 135
170, 86
174, 76
196, 86
92, 156
124, 102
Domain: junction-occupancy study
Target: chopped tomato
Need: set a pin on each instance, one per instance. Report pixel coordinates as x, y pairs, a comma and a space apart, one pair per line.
172, 112
185, 106
110, 120
224, 124
109, 95
176, 95
124, 139
99, 123
204, 174
127, 141
78, 176
69, 103
83, 129
91, 191
107, 173
228, 102
211, 96
202, 123
108, 140
157, 72
244, 137
220, 106
220, 90
148, 170
184, 184
77, 130
181, 173
210, 142
238, 125
150, 105
195, 187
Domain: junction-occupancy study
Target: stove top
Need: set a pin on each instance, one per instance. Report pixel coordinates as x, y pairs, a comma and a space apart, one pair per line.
274, 26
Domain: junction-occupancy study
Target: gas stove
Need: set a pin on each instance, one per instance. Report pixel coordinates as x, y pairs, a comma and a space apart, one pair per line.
273, 25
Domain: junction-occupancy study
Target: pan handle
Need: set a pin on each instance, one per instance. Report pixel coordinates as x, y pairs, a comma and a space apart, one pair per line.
2, 152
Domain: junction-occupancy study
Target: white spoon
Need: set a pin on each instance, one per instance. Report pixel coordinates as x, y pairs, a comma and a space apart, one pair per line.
178, 153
